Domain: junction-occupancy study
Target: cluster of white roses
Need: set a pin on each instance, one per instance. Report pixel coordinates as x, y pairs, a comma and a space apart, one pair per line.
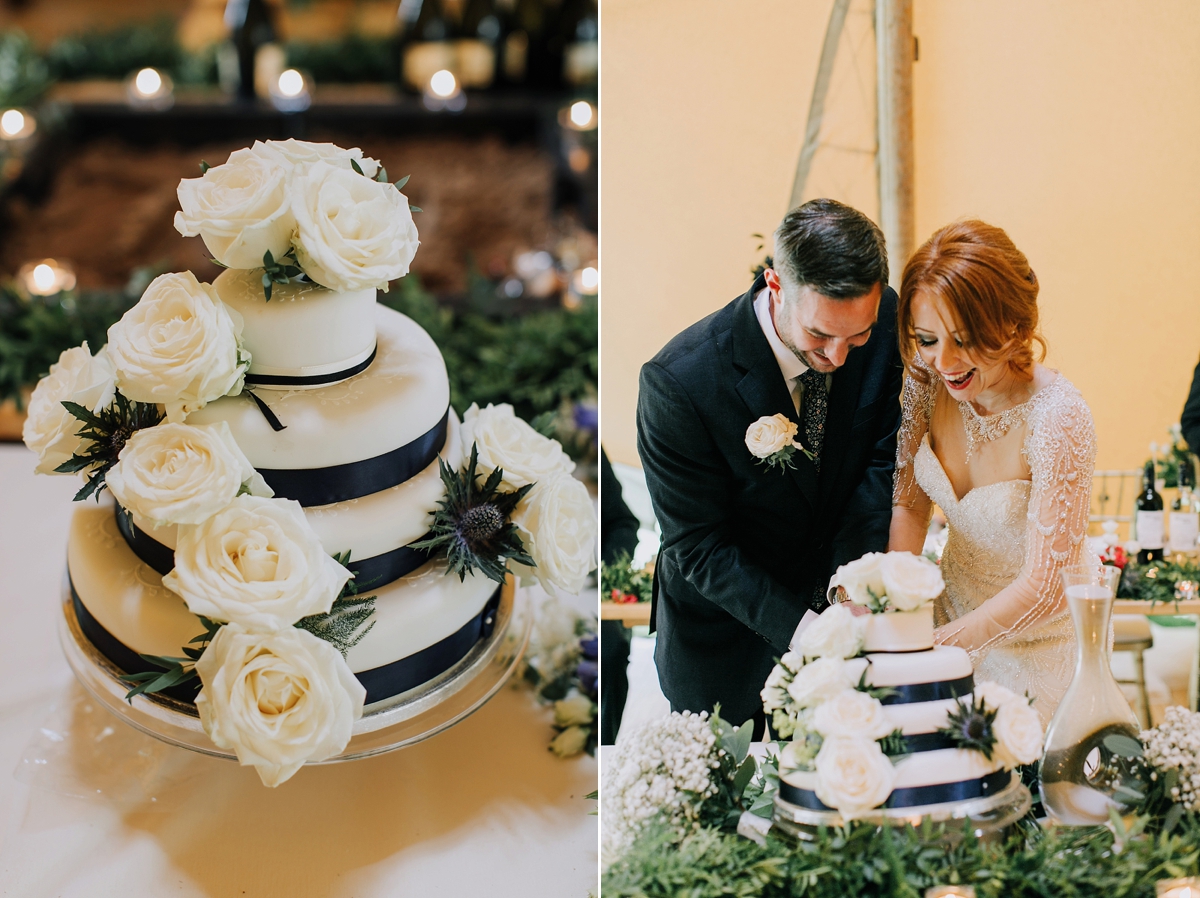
1175, 744
349, 232
663, 767
893, 581
78, 376
556, 518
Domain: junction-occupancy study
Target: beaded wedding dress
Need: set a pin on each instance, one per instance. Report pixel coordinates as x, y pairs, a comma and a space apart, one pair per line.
1008, 539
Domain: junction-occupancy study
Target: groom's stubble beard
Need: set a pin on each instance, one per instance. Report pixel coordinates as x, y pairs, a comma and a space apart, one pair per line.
809, 357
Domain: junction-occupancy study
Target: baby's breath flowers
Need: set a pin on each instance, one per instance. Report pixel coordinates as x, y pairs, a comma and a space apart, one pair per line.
1175, 744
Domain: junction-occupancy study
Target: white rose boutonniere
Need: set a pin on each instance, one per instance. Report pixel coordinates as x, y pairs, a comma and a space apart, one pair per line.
772, 440
862, 579
352, 232
557, 522
180, 347
851, 713
505, 441
257, 563
241, 209
853, 774
819, 681
910, 580
182, 474
837, 633
277, 699
50, 430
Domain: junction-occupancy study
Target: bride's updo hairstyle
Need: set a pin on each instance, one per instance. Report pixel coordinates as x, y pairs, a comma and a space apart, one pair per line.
989, 289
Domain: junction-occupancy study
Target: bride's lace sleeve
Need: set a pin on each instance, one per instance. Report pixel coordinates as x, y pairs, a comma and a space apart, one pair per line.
916, 408
1061, 451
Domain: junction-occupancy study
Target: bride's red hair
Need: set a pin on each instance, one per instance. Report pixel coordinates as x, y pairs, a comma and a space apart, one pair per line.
988, 288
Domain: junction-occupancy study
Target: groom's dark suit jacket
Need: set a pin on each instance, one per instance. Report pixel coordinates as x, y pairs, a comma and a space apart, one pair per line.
746, 548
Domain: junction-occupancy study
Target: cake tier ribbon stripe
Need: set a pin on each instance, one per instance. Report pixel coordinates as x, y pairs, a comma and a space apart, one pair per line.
380, 682
916, 796
338, 483
919, 742
929, 692
369, 573
310, 380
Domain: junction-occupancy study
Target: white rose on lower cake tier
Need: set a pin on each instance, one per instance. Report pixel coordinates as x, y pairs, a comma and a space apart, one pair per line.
861, 578
910, 580
277, 699
505, 441
50, 430
179, 347
352, 232
853, 774
182, 474
557, 522
837, 633
1019, 734
851, 713
257, 563
819, 681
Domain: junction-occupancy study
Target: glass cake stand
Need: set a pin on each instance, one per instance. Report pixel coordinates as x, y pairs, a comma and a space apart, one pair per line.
393, 723
990, 816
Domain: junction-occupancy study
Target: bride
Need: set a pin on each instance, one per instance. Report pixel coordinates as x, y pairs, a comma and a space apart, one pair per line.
1004, 446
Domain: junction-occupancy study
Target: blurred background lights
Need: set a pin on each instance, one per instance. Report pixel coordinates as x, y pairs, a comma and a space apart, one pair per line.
15, 124
581, 114
589, 279
291, 83
47, 277
443, 84
150, 89
148, 82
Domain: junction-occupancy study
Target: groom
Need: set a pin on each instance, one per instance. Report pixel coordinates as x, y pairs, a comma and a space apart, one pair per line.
747, 549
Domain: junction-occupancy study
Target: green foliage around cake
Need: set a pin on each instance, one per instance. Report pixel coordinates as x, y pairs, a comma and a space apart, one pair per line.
105, 435
472, 524
174, 670
348, 621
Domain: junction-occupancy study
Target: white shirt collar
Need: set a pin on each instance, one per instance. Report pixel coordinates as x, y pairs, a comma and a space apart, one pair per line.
789, 363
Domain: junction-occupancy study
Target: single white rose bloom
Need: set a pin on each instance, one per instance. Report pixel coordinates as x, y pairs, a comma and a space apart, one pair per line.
506, 441
792, 660
298, 154
1019, 734
851, 713
241, 210
182, 474
352, 232
853, 774
769, 434
861, 578
257, 563
277, 699
574, 710
837, 633
179, 347
557, 522
569, 742
910, 580
994, 695
819, 681
50, 430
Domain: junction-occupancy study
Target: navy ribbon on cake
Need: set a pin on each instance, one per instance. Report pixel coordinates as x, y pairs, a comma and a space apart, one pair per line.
380, 682
915, 796
310, 380
369, 573
929, 692
338, 483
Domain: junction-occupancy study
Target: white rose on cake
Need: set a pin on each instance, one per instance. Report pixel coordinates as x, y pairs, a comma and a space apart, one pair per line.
769, 434
994, 695
179, 347
241, 210
853, 774
352, 232
277, 699
861, 578
257, 563
1019, 734
851, 713
300, 153
910, 580
50, 430
819, 681
557, 522
837, 633
505, 441
182, 474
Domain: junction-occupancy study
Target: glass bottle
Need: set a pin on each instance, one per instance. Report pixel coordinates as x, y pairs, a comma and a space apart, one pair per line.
1079, 772
1148, 519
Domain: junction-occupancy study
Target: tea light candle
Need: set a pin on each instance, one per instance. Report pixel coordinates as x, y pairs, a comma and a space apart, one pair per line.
579, 116
1187, 887
150, 89
950, 892
586, 281
444, 92
47, 277
290, 91
15, 124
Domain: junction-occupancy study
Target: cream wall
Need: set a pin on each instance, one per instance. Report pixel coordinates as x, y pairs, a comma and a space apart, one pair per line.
1075, 125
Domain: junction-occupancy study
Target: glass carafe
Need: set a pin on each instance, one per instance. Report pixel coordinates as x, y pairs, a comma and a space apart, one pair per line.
1079, 773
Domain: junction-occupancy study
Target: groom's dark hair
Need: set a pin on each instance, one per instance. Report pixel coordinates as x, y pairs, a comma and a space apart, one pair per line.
832, 248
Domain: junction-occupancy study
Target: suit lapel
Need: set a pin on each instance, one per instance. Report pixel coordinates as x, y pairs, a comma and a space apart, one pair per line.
762, 386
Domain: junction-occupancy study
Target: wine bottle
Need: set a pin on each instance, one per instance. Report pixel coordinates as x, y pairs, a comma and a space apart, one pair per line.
1149, 519
1184, 521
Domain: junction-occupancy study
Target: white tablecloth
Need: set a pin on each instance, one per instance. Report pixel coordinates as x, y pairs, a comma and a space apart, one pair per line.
92, 808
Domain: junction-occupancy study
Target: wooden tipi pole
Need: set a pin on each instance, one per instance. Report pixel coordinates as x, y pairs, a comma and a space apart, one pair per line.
895, 51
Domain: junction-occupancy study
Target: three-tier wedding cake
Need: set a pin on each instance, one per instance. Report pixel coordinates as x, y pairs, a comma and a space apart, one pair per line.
300, 526
883, 722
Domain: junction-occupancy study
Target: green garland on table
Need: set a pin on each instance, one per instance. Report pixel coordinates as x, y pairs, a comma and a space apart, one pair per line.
1156, 581
622, 578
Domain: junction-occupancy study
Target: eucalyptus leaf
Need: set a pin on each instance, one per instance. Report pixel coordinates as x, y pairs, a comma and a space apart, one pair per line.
1125, 746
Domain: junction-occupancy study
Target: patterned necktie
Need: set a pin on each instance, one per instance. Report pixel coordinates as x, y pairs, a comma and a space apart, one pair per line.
816, 404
